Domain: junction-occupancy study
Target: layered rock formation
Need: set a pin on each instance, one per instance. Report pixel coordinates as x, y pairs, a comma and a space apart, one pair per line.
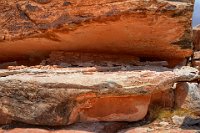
66, 96
65, 62
159, 30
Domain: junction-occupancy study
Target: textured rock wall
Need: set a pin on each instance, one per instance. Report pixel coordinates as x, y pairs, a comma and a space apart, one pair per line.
196, 56
159, 30
89, 61
65, 96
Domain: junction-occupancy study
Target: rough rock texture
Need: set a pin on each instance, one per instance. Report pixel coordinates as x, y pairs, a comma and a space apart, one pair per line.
80, 59
105, 127
188, 97
70, 61
95, 127
133, 130
64, 96
164, 98
196, 42
196, 38
149, 130
196, 60
155, 29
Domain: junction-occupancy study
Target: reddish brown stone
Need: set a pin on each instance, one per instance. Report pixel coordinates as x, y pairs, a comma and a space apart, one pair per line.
181, 93
27, 130
69, 131
151, 130
64, 96
196, 38
196, 60
4, 118
196, 64
196, 55
188, 97
139, 28
163, 98
111, 108
70, 59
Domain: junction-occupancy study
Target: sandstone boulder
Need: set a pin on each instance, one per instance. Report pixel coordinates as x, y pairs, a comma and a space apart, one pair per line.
64, 96
188, 97
150, 29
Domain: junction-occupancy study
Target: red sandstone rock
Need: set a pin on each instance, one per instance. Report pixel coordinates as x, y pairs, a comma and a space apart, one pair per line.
155, 30
188, 97
104, 128
181, 93
149, 130
135, 130
28, 130
70, 59
196, 60
196, 38
196, 64
163, 98
62, 96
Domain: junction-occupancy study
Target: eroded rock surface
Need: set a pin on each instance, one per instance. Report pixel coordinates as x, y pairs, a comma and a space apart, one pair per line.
196, 38
65, 96
159, 30
88, 61
188, 97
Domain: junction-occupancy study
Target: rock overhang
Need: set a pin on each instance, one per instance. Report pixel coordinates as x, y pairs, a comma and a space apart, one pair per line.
147, 29
65, 96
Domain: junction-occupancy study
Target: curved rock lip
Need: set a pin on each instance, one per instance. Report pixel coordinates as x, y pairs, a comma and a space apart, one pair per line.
158, 30
65, 96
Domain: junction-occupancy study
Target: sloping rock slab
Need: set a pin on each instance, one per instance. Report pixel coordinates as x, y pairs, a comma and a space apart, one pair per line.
65, 96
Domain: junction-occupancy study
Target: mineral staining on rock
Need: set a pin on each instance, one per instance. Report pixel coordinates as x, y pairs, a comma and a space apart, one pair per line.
158, 30
190, 98
69, 61
63, 96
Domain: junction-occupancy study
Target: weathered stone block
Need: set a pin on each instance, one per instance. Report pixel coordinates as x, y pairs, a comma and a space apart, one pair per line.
196, 38
188, 97
65, 96
155, 30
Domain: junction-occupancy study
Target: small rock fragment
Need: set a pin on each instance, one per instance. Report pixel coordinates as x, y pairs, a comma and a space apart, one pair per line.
178, 120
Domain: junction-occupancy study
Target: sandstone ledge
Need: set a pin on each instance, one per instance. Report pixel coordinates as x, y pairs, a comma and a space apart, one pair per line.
65, 96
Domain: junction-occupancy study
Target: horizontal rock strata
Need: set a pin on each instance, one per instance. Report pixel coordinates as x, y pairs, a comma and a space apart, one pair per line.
159, 30
64, 96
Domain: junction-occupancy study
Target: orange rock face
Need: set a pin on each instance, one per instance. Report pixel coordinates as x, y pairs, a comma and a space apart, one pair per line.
112, 108
92, 61
64, 96
146, 29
